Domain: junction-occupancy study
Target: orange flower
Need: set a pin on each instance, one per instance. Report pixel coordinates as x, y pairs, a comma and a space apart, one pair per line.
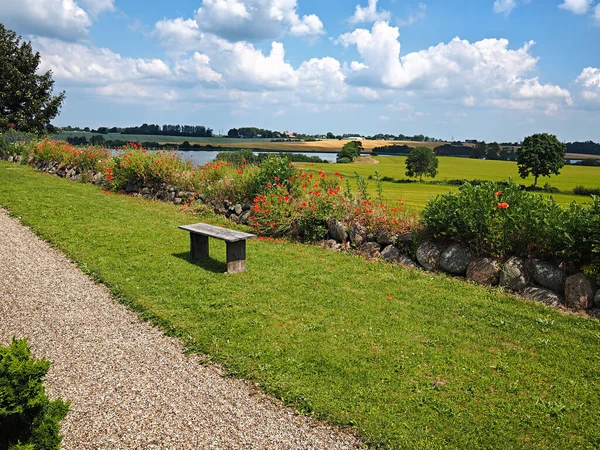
498, 194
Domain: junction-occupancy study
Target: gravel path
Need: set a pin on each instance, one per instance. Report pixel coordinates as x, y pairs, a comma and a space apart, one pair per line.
129, 385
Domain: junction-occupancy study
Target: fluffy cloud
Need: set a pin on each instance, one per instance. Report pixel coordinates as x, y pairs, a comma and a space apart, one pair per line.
597, 13
62, 19
588, 84
486, 69
95, 7
369, 14
254, 20
504, 6
321, 79
197, 68
178, 34
576, 6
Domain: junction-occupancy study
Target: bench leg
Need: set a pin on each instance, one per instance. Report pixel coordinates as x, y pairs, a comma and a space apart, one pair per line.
198, 246
236, 256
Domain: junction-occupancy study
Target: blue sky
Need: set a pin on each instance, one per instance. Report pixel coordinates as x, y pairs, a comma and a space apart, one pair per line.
492, 70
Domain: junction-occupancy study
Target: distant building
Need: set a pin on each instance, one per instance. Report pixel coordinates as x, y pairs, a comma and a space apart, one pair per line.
355, 138
290, 135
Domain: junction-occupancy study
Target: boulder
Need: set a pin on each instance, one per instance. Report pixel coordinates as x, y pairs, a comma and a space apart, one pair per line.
358, 234
331, 244
514, 274
455, 259
234, 218
386, 238
428, 255
484, 271
579, 292
545, 296
178, 200
337, 231
407, 262
597, 299
244, 217
390, 253
370, 250
547, 275
237, 209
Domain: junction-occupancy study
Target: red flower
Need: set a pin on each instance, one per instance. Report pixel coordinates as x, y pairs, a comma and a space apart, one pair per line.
276, 178
272, 224
269, 185
502, 205
11, 125
498, 194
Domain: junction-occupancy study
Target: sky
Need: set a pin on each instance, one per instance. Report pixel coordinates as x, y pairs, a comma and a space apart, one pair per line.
494, 70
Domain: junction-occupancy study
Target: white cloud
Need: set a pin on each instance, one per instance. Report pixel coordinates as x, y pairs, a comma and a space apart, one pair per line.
576, 6
588, 85
369, 14
384, 118
178, 34
254, 20
321, 79
504, 6
368, 93
198, 67
486, 69
418, 15
279, 113
597, 13
95, 7
62, 19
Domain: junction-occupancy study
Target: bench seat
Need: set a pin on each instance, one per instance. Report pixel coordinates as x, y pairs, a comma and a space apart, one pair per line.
235, 241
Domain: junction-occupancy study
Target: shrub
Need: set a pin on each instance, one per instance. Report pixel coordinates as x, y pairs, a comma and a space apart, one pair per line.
344, 160
274, 172
28, 420
69, 155
500, 219
582, 190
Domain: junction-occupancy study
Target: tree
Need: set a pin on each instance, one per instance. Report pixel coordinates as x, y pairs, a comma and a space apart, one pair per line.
26, 99
479, 151
421, 161
493, 151
330, 135
350, 150
541, 155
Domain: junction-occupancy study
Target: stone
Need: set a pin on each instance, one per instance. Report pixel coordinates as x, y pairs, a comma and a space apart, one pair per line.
514, 274
484, 271
370, 250
428, 255
455, 259
235, 218
331, 244
337, 231
244, 217
545, 296
358, 234
597, 299
178, 201
237, 209
390, 253
407, 262
385, 238
579, 292
547, 275
145, 191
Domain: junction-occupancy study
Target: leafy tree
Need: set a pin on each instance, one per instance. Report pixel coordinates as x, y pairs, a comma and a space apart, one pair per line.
541, 155
493, 151
350, 150
330, 135
26, 99
97, 139
421, 161
479, 151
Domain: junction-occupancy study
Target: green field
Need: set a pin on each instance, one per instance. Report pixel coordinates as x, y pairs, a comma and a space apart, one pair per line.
415, 195
408, 359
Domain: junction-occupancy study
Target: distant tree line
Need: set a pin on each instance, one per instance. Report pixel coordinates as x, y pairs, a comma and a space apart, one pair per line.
252, 132
152, 129
587, 147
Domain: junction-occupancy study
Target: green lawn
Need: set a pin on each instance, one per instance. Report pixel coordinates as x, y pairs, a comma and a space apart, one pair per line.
415, 195
409, 359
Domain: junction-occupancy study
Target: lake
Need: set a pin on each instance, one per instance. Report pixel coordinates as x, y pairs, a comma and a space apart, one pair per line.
202, 157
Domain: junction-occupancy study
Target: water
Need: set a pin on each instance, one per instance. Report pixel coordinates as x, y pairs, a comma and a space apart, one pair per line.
202, 157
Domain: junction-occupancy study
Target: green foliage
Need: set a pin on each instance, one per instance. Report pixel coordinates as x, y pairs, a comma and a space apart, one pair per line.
502, 220
582, 190
492, 151
237, 157
541, 155
26, 101
28, 420
479, 151
343, 160
349, 151
272, 172
421, 161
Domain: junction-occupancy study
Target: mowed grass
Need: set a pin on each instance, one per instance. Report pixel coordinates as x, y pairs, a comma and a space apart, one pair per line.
408, 359
415, 195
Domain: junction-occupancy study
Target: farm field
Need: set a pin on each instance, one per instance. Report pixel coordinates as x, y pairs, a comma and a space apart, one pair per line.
466, 168
326, 145
408, 359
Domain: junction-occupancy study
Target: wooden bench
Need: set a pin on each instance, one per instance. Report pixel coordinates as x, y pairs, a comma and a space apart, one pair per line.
236, 244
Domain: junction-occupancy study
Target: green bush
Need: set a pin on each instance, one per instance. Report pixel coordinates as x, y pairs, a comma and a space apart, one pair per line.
501, 219
28, 420
273, 172
344, 160
582, 190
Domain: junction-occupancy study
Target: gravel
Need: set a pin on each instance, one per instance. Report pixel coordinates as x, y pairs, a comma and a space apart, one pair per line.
130, 386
